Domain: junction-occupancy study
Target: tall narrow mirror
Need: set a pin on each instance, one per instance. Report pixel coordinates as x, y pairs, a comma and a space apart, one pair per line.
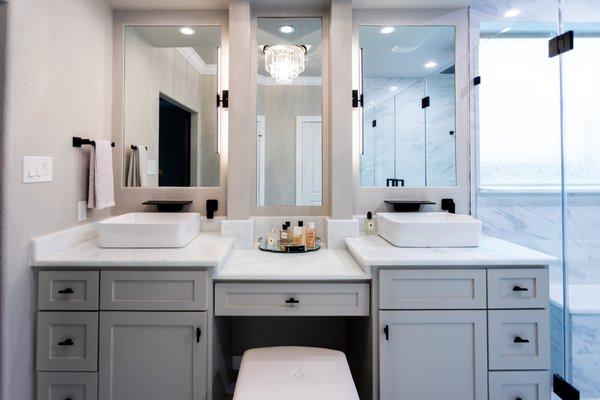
289, 114
408, 119
170, 108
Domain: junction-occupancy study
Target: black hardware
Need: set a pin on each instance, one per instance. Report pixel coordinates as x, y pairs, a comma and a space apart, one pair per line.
223, 99
65, 291
198, 334
292, 300
519, 339
518, 398
518, 288
407, 205
134, 147
68, 398
374, 123
449, 205
168, 205
451, 133
425, 102
386, 331
78, 142
564, 389
211, 207
477, 81
561, 44
394, 182
66, 342
357, 99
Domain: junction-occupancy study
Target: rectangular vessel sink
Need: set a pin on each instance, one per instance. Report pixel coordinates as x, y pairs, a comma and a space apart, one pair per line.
429, 229
149, 230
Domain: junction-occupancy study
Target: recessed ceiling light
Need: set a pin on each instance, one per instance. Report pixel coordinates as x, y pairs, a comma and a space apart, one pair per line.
186, 30
287, 29
393, 88
513, 12
430, 64
387, 29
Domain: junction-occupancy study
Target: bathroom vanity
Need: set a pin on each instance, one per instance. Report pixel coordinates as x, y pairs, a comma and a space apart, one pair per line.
413, 323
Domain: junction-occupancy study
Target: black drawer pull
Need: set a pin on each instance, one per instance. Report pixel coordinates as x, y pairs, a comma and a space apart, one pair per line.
518, 288
66, 342
66, 291
518, 398
386, 331
292, 300
68, 398
198, 334
519, 339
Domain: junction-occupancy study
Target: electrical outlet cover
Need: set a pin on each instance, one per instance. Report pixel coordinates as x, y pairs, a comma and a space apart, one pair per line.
81, 211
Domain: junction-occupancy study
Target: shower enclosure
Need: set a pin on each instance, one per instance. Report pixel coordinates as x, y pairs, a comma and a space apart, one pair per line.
536, 123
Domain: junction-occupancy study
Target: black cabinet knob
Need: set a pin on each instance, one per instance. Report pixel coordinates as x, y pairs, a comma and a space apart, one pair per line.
519, 339
198, 334
65, 291
292, 300
66, 342
518, 288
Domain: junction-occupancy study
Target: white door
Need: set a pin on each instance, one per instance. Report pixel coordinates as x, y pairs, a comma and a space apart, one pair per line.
260, 160
433, 355
309, 161
152, 355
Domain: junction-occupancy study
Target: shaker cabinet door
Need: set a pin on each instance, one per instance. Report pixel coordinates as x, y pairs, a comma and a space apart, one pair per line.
152, 356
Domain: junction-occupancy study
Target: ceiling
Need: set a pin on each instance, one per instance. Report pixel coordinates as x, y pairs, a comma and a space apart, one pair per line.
224, 4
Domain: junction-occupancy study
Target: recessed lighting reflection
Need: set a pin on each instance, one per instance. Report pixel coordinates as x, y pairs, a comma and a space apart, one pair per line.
387, 29
393, 88
507, 29
287, 29
186, 30
513, 12
430, 64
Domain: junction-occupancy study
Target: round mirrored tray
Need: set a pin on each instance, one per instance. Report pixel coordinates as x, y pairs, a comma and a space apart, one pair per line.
277, 247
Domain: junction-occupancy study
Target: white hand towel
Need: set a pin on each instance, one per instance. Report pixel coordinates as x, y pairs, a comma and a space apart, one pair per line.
142, 160
100, 185
132, 172
137, 174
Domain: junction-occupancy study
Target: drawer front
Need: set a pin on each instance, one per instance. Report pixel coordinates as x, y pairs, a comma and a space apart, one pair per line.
432, 289
291, 299
518, 288
153, 290
68, 290
67, 341
524, 385
67, 385
518, 339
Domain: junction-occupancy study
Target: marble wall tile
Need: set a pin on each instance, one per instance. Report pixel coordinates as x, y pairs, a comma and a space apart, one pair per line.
241, 230
338, 229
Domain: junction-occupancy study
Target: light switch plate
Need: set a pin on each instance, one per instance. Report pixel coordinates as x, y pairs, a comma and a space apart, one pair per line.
37, 169
81, 211
151, 170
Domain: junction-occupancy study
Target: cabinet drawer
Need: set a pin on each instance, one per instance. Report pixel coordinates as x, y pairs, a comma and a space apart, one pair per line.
67, 385
432, 289
153, 290
292, 299
524, 385
68, 290
518, 339
67, 341
518, 288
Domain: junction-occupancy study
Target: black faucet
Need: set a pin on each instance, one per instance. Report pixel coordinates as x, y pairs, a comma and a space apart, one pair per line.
211, 207
448, 205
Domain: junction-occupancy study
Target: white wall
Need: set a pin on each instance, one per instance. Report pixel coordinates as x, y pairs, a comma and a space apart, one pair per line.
58, 85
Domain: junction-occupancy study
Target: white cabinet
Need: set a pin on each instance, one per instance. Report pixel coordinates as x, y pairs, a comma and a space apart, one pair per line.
68, 290
518, 288
524, 385
67, 385
152, 355
432, 355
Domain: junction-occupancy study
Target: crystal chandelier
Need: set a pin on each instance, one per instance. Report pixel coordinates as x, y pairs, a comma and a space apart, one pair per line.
285, 61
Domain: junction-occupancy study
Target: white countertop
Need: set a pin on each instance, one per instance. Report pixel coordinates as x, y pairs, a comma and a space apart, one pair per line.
370, 251
325, 264
209, 249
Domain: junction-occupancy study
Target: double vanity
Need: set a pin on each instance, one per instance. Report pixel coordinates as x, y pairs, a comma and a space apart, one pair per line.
414, 323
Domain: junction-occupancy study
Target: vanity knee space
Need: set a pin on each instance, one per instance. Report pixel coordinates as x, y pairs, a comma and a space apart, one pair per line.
464, 331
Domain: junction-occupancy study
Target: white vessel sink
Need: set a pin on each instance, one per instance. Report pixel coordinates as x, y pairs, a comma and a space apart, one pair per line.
149, 230
429, 229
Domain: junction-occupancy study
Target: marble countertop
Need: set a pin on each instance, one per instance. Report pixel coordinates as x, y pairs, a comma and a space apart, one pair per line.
370, 251
209, 249
325, 264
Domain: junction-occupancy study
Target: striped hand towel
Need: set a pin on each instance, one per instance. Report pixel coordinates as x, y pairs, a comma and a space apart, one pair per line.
137, 174
100, 185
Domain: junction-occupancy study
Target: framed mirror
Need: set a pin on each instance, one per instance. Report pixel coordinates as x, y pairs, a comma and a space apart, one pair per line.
408, 136
171, 81
289, 114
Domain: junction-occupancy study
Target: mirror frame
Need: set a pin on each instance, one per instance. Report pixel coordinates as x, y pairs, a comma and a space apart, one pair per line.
293, 210
372, 198
130, 198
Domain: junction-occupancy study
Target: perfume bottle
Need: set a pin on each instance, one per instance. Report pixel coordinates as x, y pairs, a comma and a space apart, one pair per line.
271, 239
297, 236
370, 224
311, 236
302, 232
283, 236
